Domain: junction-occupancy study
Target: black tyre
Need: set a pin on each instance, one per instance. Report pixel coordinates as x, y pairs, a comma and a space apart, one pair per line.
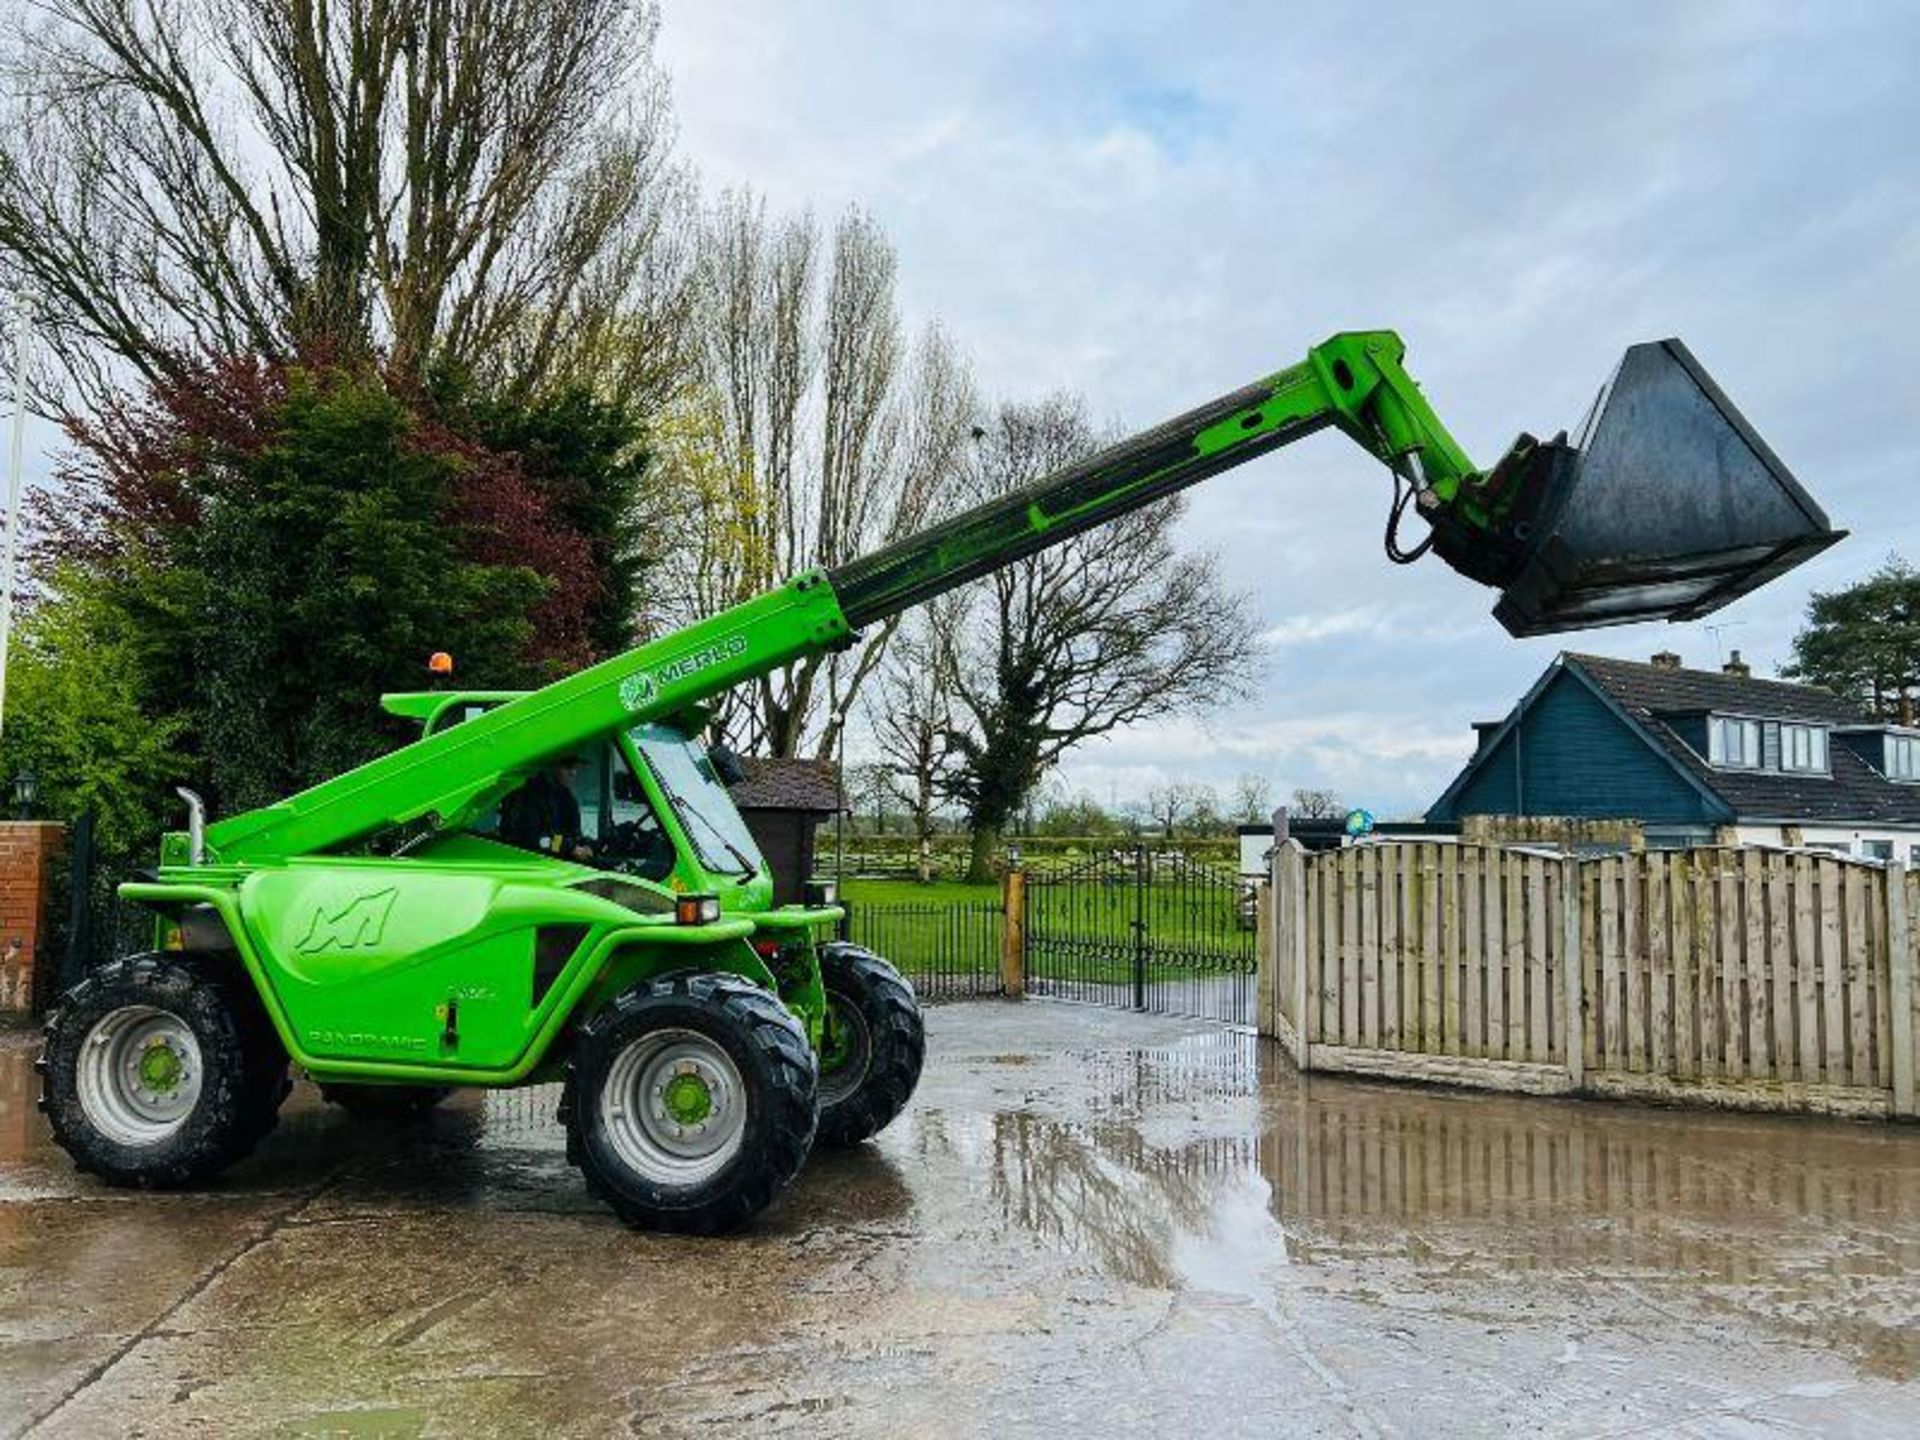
383, 1102
690, 1103
160, 1071
875, 1044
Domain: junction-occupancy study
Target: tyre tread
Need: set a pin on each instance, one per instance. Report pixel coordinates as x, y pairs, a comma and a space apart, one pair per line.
898, 1037
789, 1119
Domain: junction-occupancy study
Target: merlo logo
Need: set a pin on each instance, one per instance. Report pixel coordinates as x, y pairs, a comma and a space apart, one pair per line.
637, 690
357, 925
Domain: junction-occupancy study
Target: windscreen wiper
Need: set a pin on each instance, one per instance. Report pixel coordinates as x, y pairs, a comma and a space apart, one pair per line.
748, 869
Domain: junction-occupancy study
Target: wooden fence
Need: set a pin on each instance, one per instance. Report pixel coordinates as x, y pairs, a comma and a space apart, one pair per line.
1745, 978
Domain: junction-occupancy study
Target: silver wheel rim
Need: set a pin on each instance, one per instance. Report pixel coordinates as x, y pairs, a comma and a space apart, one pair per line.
846, 1077
139, 1075
648, 1114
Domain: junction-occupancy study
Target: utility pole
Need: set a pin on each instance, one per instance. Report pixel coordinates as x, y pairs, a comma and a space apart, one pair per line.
21, 323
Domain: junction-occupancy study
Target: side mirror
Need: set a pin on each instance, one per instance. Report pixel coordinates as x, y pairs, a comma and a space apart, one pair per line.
727, 765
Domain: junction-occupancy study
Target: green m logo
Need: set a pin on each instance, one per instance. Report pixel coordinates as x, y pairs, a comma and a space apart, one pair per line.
357, 925
638, 689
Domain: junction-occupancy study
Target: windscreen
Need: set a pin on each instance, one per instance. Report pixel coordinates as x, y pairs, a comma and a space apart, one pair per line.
694, 791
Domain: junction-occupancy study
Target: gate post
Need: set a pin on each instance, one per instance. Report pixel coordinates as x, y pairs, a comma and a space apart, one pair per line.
1142, 875
1013, 933
79, 954
1900, 991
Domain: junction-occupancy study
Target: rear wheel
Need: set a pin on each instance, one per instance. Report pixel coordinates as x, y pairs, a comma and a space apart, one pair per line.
690, 1103
160, 1071
874, 1047
383, 1102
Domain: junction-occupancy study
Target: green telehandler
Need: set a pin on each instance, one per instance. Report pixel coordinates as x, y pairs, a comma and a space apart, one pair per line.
379, 931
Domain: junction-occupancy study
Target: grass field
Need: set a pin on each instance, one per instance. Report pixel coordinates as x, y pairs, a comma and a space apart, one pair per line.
911, 892
1081, 933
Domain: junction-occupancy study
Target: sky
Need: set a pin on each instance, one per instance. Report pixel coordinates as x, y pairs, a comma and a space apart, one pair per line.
1153, 203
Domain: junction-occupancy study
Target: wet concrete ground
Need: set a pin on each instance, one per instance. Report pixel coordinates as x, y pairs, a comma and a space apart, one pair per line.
1088, 1221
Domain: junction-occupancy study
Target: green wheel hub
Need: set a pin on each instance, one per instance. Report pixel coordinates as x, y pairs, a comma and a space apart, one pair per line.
840, 1039
160, 1068
687, 1098
846, 1049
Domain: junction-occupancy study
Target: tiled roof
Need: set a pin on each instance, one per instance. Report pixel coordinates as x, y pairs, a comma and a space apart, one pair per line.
1853, 791
1655, 690
788, 785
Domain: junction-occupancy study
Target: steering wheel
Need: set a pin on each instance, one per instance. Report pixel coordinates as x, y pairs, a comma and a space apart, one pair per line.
639, 848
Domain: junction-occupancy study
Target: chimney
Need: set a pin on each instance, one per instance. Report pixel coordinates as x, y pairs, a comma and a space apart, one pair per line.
1483, 732
1906, 708
1666, 660
1737, 667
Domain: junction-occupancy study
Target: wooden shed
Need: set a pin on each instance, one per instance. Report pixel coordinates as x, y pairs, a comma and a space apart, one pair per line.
783, 803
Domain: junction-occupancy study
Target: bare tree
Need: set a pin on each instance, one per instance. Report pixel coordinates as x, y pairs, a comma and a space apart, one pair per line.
1252, 799
1182, 803
1108, 629
910, 711
818, 433
871, 792
478, 185
1317, 804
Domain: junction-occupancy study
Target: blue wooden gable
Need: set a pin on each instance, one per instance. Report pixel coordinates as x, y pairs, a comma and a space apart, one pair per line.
1569, 749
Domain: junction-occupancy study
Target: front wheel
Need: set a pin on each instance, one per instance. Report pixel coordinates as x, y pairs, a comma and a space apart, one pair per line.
874, 1047
690, 1103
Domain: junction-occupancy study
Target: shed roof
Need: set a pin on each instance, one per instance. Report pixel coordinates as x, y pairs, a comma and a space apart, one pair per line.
772, 784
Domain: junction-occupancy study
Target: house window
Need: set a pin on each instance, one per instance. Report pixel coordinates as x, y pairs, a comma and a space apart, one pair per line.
1734, 744
1803, 748
1877, 849
1903, 757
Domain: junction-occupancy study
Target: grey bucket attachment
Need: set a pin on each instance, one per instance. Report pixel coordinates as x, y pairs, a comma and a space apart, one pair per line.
1667, 506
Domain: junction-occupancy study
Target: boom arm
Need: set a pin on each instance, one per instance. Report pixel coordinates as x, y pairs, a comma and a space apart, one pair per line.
1491, 526
1354, 381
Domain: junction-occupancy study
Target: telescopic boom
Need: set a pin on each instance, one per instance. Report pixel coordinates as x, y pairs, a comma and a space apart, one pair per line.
1668, 505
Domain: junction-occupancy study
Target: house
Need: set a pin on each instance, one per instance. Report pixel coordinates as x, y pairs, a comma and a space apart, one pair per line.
783, 803
1696, 757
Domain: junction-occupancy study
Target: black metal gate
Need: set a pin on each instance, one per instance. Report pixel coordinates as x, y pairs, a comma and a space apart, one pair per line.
1151, 930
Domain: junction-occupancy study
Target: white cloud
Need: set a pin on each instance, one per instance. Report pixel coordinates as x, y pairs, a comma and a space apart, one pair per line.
1305, 629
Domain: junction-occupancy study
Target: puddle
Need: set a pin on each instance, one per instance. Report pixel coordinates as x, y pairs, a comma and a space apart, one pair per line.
1207, 1164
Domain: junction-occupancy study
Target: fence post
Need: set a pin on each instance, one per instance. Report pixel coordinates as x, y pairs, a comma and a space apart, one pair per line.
1900, 992
1013, 933
1573, 998
1266, 983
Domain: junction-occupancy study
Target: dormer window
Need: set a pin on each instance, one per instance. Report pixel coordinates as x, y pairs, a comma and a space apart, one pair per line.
1803, 748
1781, 746
1903, 757
1733, 744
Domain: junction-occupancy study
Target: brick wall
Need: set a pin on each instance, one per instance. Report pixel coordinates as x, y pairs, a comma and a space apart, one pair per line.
28, 851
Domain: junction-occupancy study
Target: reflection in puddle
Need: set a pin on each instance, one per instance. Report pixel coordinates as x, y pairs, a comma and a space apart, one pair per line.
19, 1090
1792, 1222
